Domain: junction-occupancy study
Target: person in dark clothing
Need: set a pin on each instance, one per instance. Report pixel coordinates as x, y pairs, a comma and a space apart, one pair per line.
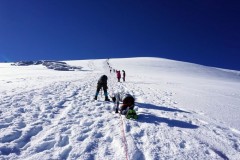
128, 103
102, 84
124, 75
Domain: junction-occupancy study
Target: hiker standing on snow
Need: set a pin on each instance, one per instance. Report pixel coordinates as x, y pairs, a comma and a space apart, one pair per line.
124, 75
118, 75
102, 84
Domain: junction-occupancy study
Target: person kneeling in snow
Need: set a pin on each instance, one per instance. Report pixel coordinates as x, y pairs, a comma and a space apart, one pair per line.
127, 107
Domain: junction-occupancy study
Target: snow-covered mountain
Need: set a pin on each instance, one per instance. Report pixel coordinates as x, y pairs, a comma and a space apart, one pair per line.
186, 111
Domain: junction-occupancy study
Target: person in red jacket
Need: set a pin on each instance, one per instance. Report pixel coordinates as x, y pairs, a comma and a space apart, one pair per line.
118, 75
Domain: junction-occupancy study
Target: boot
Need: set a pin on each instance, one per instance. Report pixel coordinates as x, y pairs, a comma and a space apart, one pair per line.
116, 110
106, 99
95, 98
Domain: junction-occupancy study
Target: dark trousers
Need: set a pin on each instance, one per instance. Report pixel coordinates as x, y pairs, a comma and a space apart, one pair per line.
99, 86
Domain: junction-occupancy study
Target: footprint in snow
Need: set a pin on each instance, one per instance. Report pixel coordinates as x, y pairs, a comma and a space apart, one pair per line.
45, 146
26, 137
90, 109
86, 130
65, 153
11, 136
216, 132
82, 137
98, 135
236, 146
4, 125
182, 144
109, 139
9, 119
90, 146
98, 104
78, 116
139, 134
8, 150
127, 127
100, 124
63, 141
21, 110
108, 107
9, 82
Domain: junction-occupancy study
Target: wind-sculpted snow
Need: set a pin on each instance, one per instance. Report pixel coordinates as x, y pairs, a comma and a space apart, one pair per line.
55, 65
54, 116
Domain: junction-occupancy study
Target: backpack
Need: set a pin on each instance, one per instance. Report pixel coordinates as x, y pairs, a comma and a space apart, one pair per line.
131, 114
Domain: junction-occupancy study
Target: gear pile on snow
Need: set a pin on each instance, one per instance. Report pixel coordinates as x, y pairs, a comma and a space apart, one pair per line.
131, 114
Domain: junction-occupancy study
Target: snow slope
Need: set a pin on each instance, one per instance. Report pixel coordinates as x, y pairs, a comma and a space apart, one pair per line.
186, 111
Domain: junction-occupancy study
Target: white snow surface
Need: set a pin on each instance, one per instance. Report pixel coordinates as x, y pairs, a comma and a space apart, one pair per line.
186, 111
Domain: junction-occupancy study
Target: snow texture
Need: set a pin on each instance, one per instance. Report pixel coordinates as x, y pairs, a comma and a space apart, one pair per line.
186, 111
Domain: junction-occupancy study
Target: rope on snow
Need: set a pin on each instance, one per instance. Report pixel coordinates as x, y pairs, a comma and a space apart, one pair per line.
124, 138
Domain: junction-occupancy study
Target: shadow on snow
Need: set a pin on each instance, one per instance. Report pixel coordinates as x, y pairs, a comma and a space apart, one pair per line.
151, 106
150, 118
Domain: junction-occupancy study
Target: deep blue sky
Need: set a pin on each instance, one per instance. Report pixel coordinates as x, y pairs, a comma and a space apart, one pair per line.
200, 31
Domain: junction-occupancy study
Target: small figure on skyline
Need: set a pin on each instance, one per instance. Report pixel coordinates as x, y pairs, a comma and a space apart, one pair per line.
124, 75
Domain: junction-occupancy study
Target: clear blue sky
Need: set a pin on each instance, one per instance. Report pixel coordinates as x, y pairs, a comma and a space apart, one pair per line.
200, 31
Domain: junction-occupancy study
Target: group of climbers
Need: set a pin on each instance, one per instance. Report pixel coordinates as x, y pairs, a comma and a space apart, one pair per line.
119, 75
128, 101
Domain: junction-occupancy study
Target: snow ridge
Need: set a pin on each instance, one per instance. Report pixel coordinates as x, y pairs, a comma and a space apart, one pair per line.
55, 65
